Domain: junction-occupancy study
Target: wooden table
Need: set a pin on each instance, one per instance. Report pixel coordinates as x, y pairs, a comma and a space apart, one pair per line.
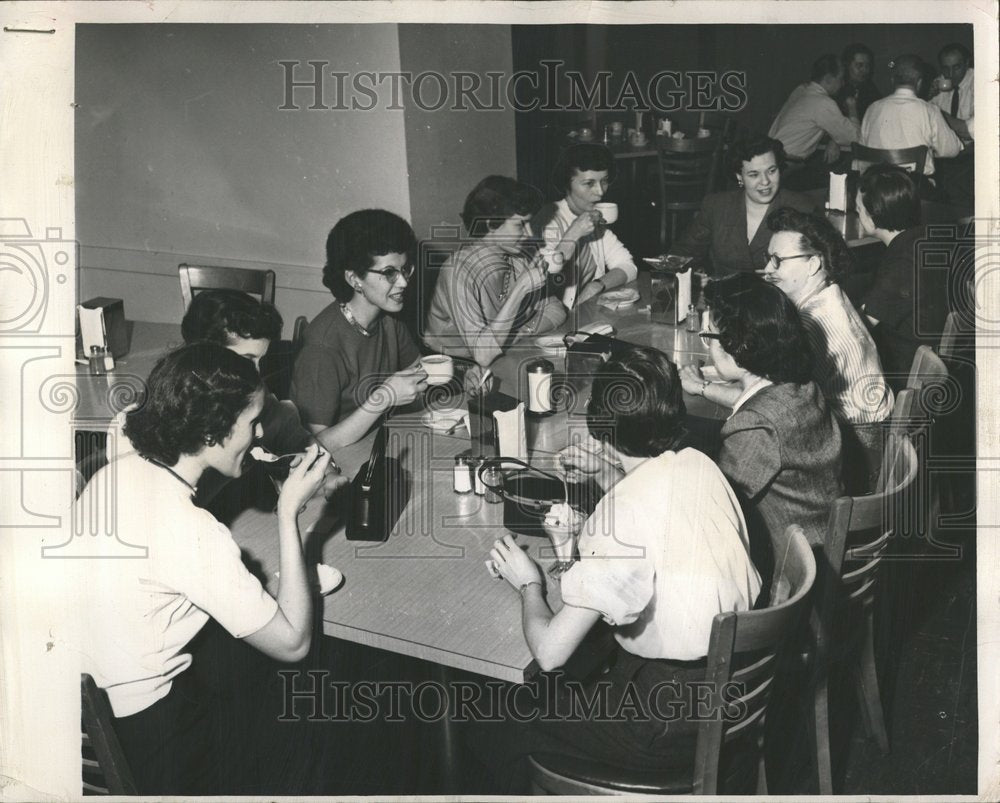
101, 398
425, 592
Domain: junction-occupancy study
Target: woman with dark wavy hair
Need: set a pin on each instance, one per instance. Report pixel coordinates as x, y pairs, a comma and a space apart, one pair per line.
664, 552
807, 258
781, 445
141, 617
359, 360
729, 234
493, 290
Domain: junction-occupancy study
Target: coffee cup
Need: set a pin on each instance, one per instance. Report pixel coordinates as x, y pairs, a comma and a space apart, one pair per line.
439, 368
609, 211
944, 84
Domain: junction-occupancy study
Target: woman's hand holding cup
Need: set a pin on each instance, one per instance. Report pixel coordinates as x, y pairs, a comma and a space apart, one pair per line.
561, 524
404, 386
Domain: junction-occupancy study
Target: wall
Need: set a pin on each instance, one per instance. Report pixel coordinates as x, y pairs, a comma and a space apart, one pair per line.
449, 151
182, 154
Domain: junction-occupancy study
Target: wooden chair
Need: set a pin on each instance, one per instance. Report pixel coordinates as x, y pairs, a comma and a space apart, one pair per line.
743, 650
207, 277
913, 159
842, 624
105, 770
687, 171
299, 332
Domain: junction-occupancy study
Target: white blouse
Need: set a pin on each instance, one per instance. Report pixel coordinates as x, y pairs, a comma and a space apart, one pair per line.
663, 553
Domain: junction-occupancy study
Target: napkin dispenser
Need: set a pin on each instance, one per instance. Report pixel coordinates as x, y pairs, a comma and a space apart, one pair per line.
670, 295
102, 324
838, 192
482, 424
512, 432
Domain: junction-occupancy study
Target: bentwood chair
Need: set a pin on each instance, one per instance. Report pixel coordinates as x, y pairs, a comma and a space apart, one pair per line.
912, 159
859, 532
214, 277
688, 169
743, 654
105, 770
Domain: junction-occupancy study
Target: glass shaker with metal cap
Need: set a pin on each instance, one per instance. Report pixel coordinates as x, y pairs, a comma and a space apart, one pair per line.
539, 386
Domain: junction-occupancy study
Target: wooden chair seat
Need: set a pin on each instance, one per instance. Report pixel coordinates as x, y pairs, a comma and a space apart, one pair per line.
562, 774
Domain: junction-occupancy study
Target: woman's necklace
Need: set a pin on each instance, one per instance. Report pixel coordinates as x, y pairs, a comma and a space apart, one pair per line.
156, 462
354, 321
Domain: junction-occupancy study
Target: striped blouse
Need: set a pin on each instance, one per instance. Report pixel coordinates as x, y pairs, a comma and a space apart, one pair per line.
845, 363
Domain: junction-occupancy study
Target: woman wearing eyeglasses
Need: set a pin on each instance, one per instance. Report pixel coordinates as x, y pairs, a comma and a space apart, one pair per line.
494, 288
359, 360
806, 258
781, 447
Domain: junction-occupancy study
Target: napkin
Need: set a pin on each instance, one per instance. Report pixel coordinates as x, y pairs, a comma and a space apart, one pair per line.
598, 328
617, 299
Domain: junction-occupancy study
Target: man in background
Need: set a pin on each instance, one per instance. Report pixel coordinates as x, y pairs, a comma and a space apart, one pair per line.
903, 120
810, 118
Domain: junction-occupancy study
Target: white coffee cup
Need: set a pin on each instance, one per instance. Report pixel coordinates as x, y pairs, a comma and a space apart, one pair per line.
439, 367
944, 84
608, 211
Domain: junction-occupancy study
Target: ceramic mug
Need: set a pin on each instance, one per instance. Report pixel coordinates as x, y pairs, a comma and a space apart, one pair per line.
439, 368
609, 211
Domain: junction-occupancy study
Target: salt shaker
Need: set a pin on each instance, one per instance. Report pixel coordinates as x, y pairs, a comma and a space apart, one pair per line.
491, 480
97, 361
463, 476
692, 318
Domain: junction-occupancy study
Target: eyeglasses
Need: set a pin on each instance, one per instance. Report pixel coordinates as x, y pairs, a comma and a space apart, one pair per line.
709, 335
778, 260
392, 275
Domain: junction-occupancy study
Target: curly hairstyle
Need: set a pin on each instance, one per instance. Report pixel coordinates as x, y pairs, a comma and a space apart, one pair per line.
756, 145
908, 70
355, 242
494, 200
760, 328
193, 397
818, 235
640, 390
890, 195
581, 158
215, 316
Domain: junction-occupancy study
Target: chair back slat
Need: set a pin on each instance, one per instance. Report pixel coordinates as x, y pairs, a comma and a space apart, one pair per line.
912, 159
742, 659
194, 278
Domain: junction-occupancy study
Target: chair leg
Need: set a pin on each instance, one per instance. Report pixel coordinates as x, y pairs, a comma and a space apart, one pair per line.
868, 683
761, 775
819, 733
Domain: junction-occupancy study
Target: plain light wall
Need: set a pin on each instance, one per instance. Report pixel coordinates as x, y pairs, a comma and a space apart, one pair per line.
183, 154
450, 150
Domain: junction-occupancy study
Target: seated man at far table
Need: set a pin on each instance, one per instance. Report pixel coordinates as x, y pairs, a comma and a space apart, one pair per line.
810, 116
952, 92
903, 120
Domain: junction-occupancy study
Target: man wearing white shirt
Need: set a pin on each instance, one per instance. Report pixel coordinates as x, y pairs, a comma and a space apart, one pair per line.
957, 102
810, 113
903, 120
